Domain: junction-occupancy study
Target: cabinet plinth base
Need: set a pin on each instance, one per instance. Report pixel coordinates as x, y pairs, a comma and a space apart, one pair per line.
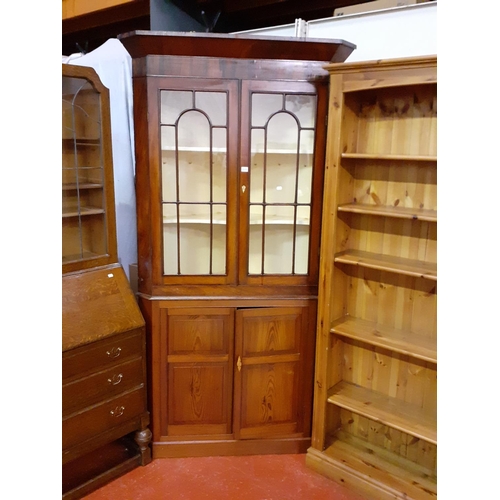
93, 470
230, 448
365, 484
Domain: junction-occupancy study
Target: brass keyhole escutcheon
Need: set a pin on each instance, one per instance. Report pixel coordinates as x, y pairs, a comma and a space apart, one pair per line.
238, 364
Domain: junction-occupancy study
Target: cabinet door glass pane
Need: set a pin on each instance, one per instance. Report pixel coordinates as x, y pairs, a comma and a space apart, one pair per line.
282, 137
83, 202
194, 182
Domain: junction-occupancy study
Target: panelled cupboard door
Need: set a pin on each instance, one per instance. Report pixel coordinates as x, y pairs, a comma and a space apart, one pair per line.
199, 375
269, 376
191, 173
281, 176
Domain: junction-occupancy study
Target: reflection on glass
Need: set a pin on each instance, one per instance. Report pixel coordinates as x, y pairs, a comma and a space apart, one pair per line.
194, 182
281, 159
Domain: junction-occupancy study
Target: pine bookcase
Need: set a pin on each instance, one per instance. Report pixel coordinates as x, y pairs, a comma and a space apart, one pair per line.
375, 395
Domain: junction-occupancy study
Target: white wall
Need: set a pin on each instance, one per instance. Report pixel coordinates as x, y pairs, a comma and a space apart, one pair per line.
384, 34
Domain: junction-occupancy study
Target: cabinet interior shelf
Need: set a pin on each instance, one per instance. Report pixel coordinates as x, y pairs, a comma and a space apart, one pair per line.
200, 219
399, 265
389, 411
83, 211
390, 211
82, 185
79, 256
224, 150
389, 157
383, 466
80, 142
403, 342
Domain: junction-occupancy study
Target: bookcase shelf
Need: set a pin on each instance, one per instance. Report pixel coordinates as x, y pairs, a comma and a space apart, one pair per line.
398, 265
395, 413
397, 340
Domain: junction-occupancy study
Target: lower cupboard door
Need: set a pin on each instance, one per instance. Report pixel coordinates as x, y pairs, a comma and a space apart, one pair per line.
199, 375
272, 396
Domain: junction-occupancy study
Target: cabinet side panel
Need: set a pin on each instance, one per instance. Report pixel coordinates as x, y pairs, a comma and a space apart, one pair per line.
142, 185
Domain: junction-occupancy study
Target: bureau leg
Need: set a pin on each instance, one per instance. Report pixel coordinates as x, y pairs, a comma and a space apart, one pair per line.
143, 438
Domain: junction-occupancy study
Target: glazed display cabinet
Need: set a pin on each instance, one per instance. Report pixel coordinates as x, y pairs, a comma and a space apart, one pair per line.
88, 207
374, 423
230, 141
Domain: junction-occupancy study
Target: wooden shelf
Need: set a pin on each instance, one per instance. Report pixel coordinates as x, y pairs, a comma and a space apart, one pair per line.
82, 212
393, 473
400, 341
200, 219
79, 256
393, 412
388, 157
224, 150
81, 185
390, 211
67, 142
399, 265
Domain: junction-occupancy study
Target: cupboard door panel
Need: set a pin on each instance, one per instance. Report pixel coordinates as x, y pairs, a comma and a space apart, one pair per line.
199, 374
270, 371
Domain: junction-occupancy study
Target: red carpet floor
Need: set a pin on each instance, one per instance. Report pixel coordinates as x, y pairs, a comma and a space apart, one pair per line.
261, 477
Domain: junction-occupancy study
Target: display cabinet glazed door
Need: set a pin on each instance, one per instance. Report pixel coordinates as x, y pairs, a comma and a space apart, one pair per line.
199, 345
88, 234
281, 154
272, 389
196, 167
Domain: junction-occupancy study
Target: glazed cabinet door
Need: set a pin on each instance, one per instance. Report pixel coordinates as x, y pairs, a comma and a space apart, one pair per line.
199, 354
281, 176
192, 169
88, 209
273, 375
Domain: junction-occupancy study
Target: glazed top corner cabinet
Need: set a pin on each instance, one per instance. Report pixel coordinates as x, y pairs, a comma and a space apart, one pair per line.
88, 206
230, 137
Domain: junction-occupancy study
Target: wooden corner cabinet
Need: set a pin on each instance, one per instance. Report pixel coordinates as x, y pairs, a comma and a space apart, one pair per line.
374, 419
230, 138
104, 400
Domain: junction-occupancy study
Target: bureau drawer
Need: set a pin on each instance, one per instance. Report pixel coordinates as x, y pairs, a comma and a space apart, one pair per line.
79, 427
102, 385
101, 355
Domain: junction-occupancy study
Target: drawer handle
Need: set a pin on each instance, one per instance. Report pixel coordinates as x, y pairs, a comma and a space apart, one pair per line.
114, 352
115, 379
118, 411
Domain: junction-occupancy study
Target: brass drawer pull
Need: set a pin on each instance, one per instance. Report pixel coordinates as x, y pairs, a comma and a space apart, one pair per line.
115, 379
118, 411
114, 352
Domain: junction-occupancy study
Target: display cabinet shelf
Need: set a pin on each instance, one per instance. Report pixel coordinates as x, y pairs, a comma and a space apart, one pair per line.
81, 185
270, 220
83, 211
406, 417
399, 265
80, 141
401, 341
390, 211
389, 157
